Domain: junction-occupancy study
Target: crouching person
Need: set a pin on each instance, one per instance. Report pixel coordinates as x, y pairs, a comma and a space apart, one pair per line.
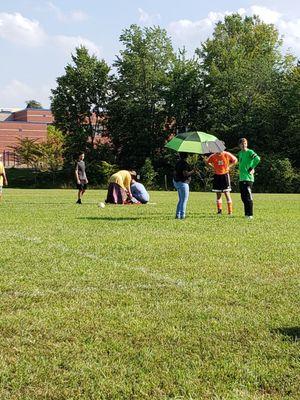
119, 187
139, 191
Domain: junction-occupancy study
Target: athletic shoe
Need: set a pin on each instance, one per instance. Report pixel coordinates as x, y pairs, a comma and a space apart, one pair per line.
250, 217
219, 212
78, 201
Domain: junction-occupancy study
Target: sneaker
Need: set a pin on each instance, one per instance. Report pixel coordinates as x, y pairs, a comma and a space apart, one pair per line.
219, 212
78, 201
250, 217
230, 215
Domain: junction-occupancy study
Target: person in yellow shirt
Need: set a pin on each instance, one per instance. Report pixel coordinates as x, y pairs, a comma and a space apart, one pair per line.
119, 187
3, 179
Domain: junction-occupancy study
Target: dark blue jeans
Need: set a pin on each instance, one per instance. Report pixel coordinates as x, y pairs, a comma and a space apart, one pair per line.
183, 190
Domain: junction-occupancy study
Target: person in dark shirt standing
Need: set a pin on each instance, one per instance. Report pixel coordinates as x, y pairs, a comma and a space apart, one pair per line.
181, 181
81, 178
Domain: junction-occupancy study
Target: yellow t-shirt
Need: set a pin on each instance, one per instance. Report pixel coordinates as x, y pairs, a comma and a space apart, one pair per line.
2, 170
121, 178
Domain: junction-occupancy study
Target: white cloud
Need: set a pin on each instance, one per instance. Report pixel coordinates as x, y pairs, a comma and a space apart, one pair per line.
185, 29
190, 33
23, 31
15, 93
18, 29
266, 14
146, 18
73, 16
69, 43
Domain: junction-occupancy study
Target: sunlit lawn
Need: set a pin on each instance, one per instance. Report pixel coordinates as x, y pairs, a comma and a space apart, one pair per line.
126, 302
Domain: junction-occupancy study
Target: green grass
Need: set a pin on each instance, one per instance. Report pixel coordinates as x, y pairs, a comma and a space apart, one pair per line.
128, 303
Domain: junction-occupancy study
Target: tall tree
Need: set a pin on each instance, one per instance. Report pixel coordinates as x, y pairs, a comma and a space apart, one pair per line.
78, 102
33, 104
184, 94
241, 66
137, 111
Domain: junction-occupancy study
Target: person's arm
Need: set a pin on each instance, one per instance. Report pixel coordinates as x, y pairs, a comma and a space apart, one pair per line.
208, 161
232, 160
188, 172
255, 160
4, 178
127, 184
76, 175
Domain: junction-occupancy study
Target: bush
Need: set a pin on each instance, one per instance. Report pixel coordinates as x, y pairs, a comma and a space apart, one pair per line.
275, 175
148, 173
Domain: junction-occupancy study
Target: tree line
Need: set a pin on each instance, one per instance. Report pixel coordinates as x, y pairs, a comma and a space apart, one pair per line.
238, 83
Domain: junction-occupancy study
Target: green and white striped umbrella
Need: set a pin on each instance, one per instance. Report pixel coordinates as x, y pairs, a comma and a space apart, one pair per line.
196, 142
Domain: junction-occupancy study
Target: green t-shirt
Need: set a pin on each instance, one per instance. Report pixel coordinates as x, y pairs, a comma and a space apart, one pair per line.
248, 159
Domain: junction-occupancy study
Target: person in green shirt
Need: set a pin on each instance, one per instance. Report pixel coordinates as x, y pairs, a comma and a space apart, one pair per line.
248, 160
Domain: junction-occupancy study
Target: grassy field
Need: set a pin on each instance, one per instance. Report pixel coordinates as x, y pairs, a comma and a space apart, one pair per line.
128, 303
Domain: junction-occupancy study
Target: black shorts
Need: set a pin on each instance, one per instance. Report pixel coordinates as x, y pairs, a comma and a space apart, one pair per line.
221, 183
81, 186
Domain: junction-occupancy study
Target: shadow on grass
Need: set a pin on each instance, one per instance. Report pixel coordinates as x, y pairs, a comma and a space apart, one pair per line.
289, 333
110, 218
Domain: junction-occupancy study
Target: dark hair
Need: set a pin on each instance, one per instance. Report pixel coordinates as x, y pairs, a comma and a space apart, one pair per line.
243, 139
183, 155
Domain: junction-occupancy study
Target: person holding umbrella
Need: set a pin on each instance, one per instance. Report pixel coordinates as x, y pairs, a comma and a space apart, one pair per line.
190, 142
181, 181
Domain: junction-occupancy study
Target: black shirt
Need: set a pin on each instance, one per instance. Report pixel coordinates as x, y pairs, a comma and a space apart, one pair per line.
181, 166
80, 168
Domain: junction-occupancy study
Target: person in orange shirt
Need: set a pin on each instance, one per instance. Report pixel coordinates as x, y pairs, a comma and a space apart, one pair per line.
221, 163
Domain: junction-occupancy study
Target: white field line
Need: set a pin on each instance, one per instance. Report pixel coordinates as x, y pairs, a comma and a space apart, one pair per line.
92, 256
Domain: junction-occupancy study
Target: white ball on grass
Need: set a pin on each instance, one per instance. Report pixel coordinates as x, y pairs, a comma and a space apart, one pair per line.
101, 205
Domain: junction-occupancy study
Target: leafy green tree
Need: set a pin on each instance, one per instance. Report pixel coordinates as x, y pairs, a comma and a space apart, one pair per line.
51, 152
241, 66
78, 103
137, 112
288, 142
33, 104
148, 173
28, 151
184, 94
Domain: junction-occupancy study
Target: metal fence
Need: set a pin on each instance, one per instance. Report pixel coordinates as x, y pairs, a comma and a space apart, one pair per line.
10, 159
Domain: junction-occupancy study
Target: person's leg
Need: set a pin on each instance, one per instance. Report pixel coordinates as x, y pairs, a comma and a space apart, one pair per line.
185, 191
79, 196
246, 195
176, 186
249, 197
179, 210
243, 190
229, 203
183, 194
219, 202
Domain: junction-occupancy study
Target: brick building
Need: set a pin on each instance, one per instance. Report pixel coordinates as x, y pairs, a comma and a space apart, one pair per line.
30, 123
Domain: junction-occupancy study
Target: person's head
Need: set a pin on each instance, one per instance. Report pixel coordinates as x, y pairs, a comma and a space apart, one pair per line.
243, 143
183, 156
81, 156
133, 175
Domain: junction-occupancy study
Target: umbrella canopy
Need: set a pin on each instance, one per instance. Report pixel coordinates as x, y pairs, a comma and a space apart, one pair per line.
196, 142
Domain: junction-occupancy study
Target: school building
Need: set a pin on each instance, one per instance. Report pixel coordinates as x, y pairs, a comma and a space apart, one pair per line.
31, 123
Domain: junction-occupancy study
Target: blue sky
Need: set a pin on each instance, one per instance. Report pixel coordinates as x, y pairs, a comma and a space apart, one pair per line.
38, 36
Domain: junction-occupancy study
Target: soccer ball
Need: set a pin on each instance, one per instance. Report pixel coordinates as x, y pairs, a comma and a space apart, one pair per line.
101, 205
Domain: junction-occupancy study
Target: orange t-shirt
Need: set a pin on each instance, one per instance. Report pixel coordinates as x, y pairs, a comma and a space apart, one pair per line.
221, 161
